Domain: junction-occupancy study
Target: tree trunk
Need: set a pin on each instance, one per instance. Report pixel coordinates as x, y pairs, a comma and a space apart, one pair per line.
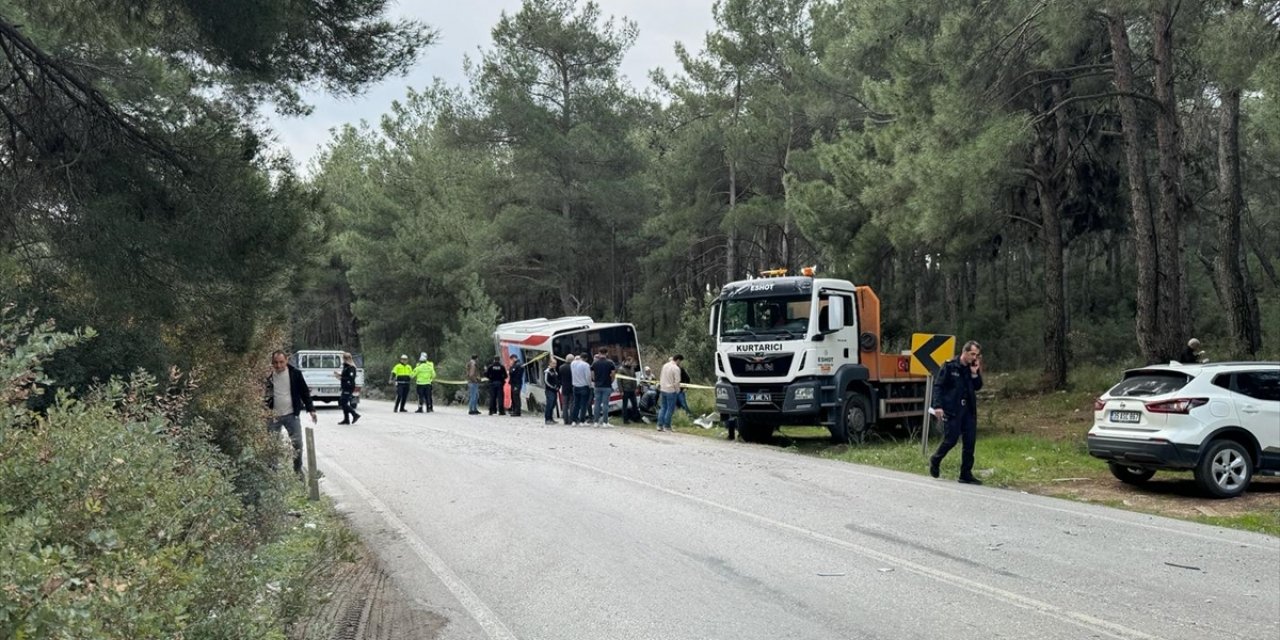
1244, 339
1172, 321
1144, 238
1055, 353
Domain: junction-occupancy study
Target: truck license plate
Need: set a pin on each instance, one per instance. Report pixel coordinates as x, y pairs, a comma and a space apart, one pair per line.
1131, 417
762, 396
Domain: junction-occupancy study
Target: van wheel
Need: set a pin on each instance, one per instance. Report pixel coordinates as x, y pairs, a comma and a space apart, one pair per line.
852, 425
1225, 469
754, 431
1130, 475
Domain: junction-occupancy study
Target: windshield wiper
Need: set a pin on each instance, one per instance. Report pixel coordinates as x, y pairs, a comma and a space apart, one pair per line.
738, 333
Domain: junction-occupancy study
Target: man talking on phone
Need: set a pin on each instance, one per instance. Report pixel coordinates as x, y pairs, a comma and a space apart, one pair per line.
955, 403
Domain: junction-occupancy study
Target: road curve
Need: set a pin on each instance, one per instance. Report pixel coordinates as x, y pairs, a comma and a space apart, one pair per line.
512, 529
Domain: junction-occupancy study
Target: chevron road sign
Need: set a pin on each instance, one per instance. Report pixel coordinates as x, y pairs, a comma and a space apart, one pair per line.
929, 351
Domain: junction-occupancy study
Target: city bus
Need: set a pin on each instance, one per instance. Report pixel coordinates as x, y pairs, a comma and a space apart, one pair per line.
533, 341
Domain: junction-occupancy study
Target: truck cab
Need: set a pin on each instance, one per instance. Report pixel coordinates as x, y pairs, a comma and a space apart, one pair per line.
805, 350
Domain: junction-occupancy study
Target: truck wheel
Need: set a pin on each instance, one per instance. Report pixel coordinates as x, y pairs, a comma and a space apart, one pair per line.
1225, 469
754, 431
1130, 475
852, 425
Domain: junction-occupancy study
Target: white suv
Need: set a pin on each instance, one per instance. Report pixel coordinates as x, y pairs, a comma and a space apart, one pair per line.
1220, 420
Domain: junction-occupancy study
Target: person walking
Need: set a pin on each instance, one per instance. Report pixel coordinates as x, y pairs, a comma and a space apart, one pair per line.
955, 402
287, 395
565, 374
551, 382
515, 379
347, 384
668, 391
627, 387
423, 375
402, 375
497, 376
473, 386
580, 373
602, 372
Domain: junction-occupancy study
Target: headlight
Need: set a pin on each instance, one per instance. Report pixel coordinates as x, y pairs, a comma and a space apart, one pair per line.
804, 393
722, 393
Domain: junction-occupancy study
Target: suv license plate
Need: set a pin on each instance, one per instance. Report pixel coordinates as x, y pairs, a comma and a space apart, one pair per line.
1131, 417
759, 397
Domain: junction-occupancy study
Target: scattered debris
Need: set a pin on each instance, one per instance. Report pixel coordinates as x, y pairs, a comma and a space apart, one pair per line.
1183, 566
885, 569
1069, 479
830, 575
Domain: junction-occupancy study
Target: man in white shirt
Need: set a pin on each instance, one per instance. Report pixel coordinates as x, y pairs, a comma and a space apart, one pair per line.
580, 372
669, 391
287, 395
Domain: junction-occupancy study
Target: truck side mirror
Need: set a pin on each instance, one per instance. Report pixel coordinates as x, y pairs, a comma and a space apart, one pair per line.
835, 314
714, 320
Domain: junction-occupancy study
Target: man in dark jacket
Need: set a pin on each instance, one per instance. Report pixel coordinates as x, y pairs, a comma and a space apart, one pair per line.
551, 383
286, 395
627, 387
497, 375
955, 402
347, 380
515, 378
565, 371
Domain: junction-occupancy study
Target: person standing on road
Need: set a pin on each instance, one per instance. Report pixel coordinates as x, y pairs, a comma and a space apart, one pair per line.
423, 375
627, 387
497, 375
565, 371
580, 373
473, 386
955, 402
347, 382
669, 391
551, 381
402, 375
287, 395
515, 378
602, 372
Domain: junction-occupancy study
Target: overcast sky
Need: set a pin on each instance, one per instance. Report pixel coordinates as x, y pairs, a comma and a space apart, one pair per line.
464, 27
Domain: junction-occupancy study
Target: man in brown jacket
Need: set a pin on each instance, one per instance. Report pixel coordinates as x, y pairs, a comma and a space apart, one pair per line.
473, 386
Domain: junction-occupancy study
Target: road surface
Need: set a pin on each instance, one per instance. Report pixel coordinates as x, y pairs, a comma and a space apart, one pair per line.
511, 529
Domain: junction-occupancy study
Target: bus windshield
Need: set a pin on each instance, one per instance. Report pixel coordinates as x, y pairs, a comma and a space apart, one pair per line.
779, 317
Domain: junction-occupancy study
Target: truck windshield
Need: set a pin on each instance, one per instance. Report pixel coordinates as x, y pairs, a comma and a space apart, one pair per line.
779, 317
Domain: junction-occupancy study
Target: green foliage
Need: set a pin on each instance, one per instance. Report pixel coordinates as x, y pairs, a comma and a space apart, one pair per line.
692, 341
477, 319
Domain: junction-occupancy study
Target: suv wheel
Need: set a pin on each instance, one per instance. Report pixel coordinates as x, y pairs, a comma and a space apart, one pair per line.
1225, 469
1130, 475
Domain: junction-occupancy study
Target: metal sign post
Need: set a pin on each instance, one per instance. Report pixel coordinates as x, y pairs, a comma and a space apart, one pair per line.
928, 417
313, 478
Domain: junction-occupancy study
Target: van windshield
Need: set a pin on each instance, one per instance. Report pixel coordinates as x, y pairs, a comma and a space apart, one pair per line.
751, 318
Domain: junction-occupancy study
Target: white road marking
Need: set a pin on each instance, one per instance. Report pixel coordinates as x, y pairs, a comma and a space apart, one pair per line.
480, 612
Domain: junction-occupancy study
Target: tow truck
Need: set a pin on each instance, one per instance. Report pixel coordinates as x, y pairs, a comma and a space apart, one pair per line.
803, 350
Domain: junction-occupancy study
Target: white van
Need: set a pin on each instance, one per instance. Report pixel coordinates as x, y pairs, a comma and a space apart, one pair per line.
321, 368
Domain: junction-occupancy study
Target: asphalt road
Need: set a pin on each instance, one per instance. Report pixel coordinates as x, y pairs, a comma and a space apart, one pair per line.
511, 529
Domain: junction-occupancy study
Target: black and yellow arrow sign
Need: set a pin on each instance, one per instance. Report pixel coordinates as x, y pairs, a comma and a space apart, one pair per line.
929, 351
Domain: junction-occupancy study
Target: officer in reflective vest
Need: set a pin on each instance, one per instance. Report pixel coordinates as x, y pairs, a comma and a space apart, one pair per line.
424, 374
402, 375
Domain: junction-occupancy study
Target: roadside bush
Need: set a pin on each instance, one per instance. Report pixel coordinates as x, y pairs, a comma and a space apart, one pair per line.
119, 517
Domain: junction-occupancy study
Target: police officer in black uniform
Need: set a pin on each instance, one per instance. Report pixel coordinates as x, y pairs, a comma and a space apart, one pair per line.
497, 375
515, 378
955, 402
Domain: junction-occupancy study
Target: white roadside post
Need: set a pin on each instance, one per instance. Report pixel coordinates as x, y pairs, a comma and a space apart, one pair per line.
313, 479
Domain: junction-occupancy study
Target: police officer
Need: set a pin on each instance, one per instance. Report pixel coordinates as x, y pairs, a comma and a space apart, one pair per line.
955, 402
401, 374
424, 374
347, 380
497, 375
515, 378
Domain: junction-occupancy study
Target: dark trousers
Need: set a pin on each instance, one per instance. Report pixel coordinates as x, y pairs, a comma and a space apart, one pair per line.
515, 400
581, 401
629, 399
344, 403
963, 427
566, 405
402, 395
293, 426
497, 404
549, 413
424, 398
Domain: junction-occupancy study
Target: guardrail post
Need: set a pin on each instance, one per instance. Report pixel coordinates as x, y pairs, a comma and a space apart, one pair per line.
313, 478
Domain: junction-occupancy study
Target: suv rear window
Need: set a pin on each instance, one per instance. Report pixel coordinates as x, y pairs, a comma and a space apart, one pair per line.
1149, 383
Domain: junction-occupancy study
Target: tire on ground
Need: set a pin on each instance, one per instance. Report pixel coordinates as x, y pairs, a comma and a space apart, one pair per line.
1130, 475
1225, 469
853, 421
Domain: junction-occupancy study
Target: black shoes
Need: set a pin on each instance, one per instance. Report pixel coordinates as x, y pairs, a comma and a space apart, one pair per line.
345, 422
355, 419
970, 480
933, 468
419, 410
